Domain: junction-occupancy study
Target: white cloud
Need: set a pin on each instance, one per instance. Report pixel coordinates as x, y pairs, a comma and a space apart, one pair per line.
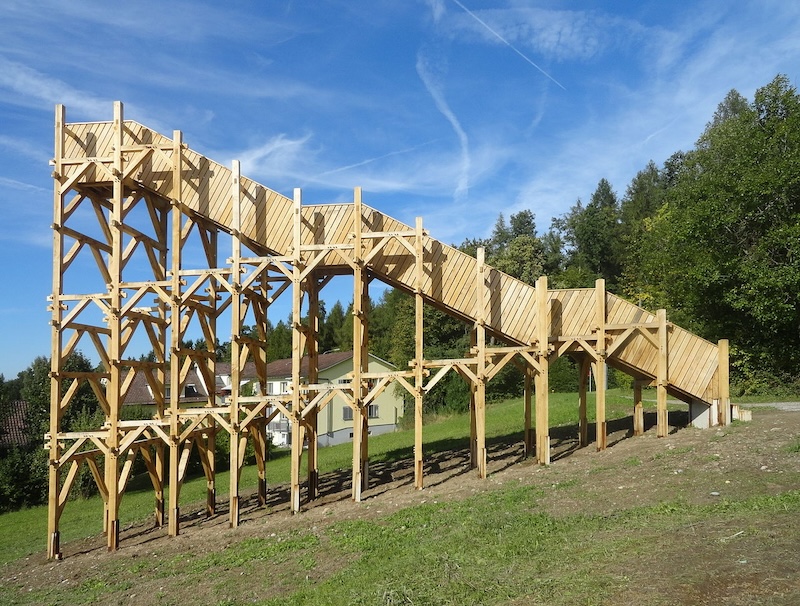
437, 9
28, 149
555, 34
32, 88
279, 158
433, 85
19, 185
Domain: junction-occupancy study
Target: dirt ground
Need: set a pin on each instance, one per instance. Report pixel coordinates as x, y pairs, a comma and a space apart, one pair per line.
713, 562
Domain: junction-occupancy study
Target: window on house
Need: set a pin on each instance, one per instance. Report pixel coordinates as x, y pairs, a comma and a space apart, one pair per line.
190, 391
372, 412
347, 413
284, 387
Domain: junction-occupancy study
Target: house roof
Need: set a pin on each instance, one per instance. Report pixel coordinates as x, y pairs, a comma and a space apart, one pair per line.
139, 392
14, 429
248, 372
283, 368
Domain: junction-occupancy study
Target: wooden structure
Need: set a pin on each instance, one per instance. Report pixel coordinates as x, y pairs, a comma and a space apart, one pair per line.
140, 224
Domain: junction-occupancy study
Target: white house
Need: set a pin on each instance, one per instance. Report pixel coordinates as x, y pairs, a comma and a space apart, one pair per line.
335, 421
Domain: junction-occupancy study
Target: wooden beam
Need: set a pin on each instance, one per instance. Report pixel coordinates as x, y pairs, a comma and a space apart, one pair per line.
600, 364
480, 387
298, 432
542, 377
662, 424
176, 246
114, 387
312, 378
584, 369
723, 377
529, 435
638, 409
237, 318
419, 354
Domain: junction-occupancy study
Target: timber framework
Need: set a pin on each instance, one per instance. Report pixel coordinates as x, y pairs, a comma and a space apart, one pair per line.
153, 241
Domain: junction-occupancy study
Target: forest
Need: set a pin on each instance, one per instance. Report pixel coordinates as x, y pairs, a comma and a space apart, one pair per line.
712, 235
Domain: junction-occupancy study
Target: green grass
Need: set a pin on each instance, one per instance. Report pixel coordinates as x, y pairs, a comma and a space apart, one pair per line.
506, 545
493, 548
24, 532
497, 547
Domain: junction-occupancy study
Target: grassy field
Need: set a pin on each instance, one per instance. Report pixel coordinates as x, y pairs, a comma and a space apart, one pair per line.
24, 532
700, 517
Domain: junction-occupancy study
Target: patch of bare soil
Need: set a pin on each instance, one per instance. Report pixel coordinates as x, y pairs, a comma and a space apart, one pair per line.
710, 560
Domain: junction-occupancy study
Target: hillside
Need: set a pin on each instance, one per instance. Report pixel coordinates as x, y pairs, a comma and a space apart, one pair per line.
699, 517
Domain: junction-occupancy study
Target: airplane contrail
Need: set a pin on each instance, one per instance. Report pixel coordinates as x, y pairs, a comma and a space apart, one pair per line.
506, 42
370, 160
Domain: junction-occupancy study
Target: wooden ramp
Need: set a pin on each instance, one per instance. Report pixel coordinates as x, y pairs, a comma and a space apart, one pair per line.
150, 195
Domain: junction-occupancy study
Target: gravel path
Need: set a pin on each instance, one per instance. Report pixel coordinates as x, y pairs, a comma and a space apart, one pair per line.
790, 406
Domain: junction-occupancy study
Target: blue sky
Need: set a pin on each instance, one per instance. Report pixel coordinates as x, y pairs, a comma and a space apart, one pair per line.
453, 110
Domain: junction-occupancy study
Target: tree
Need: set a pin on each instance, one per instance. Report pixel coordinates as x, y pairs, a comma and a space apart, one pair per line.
523, 223
732, 106
725, 249
331, 328
23, 469
592, 234
643, 198
279, 342
523, 259
553, 257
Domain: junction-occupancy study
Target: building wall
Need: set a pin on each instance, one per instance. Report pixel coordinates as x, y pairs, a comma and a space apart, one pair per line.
335, 421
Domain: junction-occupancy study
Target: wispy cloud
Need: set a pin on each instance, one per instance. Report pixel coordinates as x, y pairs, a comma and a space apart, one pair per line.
19, 185
505, 41
25, 148
280, 158
34, 89
433, 85
362, 163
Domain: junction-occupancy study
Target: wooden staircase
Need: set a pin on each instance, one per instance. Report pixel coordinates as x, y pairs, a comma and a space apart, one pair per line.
133, 208
449, 279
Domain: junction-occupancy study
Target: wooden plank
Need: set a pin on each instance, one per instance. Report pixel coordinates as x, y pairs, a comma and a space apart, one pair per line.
458, 275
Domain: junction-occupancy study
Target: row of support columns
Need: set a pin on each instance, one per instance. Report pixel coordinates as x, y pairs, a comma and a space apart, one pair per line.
243, 286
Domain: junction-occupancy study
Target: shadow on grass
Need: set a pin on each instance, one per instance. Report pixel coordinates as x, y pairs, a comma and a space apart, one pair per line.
444, 459
448, 458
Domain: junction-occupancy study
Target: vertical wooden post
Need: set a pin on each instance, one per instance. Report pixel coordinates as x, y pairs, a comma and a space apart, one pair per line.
419, 354
260, 442
584, 368
724, 388
600, 363
162, 371
662, 423
210, 466
114, 387
473, 427
176, 246
364, 407
298, 434
530, 441
56, 316
480, 387
236, 349
542, 377
638, 409
360, 356
312, 378
160, 466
